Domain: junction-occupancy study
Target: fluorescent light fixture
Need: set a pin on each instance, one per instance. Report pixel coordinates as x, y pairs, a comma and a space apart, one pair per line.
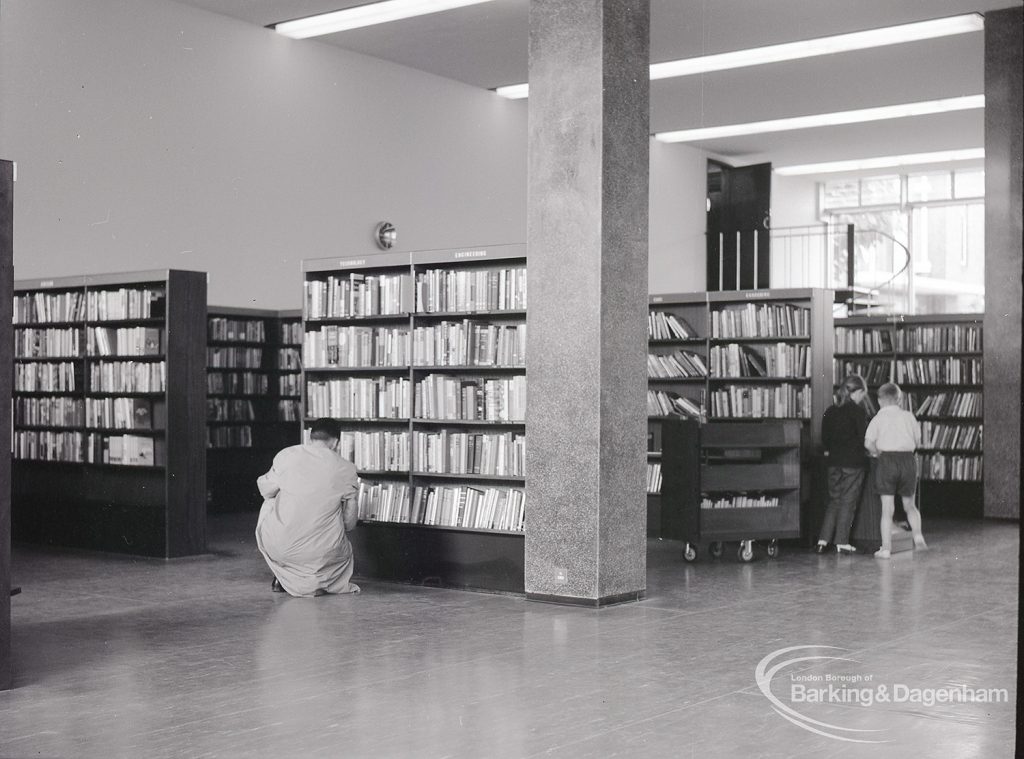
910, 159
839, 43
923, 108
514, 91
791, 51
365, 15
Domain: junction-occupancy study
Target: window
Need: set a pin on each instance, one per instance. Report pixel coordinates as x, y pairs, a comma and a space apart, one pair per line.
938, 215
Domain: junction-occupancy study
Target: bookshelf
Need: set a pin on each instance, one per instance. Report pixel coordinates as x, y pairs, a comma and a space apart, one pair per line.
747, 355
253, 399
422, 357
676, 384
937, 361
109, 403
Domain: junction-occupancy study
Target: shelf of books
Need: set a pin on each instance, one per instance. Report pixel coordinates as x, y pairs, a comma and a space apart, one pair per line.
677, 371
253, 399
937, 361
422, 358
737, 356
109, 388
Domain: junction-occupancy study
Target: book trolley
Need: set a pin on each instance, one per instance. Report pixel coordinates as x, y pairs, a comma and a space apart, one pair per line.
421, 356
109, 402
732, 470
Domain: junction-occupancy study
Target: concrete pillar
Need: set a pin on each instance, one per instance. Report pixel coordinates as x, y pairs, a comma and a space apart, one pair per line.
587, 314
1003, 271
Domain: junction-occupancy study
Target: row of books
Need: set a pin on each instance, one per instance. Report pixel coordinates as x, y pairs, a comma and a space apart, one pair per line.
662, 325
47, 445
44, 378
124, 341
442, 396
964, 437
125, 413
448, 452
359, 398
289, 411
942, 466
33, 308
240, 330
49, 412
31, 342
784, 401
761, 320
289, 384
676, 364
945, 339
654, 477
238, 383
125, 303
229, 437
291, 332
874, 372
334, 345
953, 403
469, 343
661, 403
218, 357
356, 294
289, 358
124, 450
952, 371
229, 410
450, 506
377, 450
739, 501
779, 360
463, 291
128, 377
863, 340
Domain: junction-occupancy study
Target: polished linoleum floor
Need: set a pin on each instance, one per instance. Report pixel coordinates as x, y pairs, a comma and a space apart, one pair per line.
122, 657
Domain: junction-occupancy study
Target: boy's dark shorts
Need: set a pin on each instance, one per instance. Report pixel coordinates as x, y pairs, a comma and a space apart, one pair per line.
896, 473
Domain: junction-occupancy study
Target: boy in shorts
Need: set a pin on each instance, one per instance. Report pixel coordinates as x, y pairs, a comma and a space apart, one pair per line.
893, 435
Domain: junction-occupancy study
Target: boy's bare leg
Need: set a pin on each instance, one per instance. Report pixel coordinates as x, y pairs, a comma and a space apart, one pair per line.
914, 518
885, 525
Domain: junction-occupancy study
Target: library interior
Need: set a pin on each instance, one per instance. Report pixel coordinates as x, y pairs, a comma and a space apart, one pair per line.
605, 520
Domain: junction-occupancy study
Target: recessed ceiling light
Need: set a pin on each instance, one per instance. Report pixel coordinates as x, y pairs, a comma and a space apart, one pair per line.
789, 51
881, 113
910, 159
365, 15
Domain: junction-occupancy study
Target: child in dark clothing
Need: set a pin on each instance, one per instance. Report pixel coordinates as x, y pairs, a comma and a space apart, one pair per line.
842, 435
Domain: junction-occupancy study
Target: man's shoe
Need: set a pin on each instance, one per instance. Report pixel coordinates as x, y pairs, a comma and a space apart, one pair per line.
846, 549
820, 548
276, 586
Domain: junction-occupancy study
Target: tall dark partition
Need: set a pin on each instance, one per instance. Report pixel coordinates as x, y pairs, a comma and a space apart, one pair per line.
738, 221
6, 379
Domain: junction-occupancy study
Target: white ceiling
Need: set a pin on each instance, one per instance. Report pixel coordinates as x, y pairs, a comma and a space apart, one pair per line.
486, 45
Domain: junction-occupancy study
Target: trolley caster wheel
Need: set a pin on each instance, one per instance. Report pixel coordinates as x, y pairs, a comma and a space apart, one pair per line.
715, 550
773, 549
746, 552
690, 552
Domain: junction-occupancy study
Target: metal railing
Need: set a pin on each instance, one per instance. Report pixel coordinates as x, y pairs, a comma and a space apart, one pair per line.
871, 271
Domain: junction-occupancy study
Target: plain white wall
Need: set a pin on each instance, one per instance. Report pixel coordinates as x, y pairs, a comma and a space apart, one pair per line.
149, 134
153, 135
678, 217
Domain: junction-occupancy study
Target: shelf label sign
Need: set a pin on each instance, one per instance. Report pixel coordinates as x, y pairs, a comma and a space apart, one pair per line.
352, 262
471, 254
756, 294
